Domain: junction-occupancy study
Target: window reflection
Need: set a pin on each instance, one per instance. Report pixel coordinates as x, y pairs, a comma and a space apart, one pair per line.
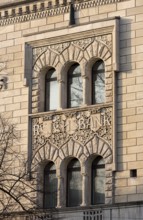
74, 84
51, 90
74, 184
98, 82
50, 186
98, 181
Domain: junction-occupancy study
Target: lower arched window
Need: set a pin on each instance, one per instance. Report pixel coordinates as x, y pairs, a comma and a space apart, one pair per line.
74, 184
98, 181
50, 186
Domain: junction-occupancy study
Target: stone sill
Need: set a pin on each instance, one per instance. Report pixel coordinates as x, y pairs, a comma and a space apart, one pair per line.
70, 110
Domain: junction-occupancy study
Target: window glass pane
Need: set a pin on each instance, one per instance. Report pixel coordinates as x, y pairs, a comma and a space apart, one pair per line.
74, 86
50, 186
98, 82
74, 183
98, 181
53, 96
51, 93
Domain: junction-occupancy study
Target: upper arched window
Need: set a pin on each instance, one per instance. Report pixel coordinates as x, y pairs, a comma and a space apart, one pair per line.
74, 184
51, 90
98, 181
50, 186
74, 86
98, 82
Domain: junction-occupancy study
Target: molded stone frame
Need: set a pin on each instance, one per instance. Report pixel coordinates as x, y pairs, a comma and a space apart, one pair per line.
61, 52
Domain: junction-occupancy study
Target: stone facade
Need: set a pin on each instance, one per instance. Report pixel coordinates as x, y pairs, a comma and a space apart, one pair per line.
36, 35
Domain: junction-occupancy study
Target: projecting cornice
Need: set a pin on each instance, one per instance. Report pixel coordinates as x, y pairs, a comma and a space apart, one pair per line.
16, 11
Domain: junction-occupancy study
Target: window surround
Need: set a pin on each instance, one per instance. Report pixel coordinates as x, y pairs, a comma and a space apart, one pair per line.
101, 27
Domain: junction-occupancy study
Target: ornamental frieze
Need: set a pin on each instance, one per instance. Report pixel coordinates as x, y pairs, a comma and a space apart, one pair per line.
20, 13
82, 44
80, 125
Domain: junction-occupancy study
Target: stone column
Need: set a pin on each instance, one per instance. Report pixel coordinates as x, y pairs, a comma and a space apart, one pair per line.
84, 189
60, 192
60, 97
85, 90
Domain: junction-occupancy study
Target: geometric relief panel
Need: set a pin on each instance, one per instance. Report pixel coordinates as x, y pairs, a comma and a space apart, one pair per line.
79, 125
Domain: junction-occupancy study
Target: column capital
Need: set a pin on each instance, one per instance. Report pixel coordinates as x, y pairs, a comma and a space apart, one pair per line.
60, 81
84, 174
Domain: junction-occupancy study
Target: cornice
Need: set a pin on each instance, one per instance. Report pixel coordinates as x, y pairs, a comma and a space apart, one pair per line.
24, 10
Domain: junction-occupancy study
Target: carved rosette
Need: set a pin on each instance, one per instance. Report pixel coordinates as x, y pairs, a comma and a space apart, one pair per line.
78, 125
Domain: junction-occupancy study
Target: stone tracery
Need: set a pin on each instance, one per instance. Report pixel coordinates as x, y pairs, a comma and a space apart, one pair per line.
95, 146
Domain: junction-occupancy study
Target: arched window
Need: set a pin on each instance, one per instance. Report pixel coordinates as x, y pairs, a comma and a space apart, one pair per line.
50, 186
51, 90
74, 86
98, 82
98, 181
74, 184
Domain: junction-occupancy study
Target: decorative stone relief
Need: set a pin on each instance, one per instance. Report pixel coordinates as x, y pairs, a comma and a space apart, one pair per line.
78, 125
72, 148
82, 45
59, 48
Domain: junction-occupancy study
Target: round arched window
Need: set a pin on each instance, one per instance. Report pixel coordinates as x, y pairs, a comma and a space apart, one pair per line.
98, 181
74, 86
74, 184
50, 186
98, 82
51, 90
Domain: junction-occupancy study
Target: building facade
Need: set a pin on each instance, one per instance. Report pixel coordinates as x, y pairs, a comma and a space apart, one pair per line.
71, 79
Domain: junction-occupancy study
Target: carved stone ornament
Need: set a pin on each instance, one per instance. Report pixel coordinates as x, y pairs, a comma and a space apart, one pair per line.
78, 50
83, 43
59, 48
78, 125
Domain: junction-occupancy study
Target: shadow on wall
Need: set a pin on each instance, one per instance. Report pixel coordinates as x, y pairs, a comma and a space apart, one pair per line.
122, 82
122, 95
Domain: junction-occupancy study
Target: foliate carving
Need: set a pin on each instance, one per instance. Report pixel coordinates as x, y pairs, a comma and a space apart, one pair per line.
79, 125
59, 48
83, 43
38, 51
79, 46
105, 39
